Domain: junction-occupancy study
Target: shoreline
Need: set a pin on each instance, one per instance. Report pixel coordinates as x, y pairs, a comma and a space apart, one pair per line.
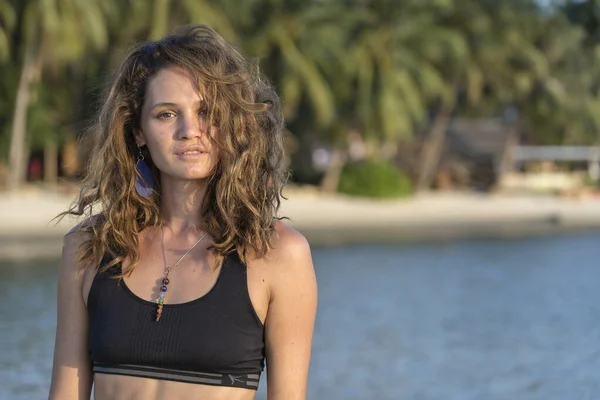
328, 220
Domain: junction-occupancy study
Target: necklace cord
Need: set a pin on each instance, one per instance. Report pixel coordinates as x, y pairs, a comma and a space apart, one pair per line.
168, 269
165, 280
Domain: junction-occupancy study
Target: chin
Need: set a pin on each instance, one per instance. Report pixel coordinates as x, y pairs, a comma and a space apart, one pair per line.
186, 175
196, 176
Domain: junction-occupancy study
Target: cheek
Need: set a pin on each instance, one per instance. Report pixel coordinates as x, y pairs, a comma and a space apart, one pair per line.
157, 134
214, 136
157, 147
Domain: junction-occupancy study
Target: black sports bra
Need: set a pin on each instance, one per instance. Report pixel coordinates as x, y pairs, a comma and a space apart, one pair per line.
216, 339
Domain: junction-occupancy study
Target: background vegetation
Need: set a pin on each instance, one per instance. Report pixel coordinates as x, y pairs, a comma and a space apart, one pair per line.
380, 72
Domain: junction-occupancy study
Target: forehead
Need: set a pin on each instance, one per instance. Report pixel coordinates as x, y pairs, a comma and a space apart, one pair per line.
173, 85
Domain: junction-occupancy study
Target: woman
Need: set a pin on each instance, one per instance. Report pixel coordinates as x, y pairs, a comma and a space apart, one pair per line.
185, 281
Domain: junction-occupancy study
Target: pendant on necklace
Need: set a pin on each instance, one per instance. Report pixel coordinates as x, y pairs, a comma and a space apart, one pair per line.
165, 281
161, 297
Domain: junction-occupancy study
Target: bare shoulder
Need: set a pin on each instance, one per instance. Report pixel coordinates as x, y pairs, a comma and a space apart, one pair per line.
73, 239
72, 242
80, 274
288, 242
289, 262
289, 254
289, 248
82, 228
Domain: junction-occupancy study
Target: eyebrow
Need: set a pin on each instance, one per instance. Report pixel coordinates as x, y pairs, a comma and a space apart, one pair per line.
164, 105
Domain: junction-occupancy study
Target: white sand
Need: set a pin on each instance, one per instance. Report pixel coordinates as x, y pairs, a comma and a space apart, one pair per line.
30, 212
27, 214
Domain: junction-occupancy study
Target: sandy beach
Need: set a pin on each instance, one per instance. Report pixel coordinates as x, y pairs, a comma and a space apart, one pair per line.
26, 230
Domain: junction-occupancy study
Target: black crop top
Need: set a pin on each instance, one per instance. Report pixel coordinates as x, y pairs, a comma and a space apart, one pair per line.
216, 339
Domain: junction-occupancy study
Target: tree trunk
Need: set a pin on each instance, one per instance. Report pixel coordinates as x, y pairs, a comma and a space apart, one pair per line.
331, 179
505, 163
70, 159
432, 149
17, 165
51, 165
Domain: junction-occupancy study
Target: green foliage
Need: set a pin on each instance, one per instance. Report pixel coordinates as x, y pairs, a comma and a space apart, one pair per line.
7, 23
379, 67
374, 178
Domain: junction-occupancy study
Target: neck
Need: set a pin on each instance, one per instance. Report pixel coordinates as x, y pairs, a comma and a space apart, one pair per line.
180, 205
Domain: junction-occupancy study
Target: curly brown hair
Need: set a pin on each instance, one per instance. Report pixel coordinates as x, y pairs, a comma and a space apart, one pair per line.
244, 190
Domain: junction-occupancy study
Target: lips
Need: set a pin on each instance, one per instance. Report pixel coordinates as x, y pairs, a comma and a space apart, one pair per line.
193, 150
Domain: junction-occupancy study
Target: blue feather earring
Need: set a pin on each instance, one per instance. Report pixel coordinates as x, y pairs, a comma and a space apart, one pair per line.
144, 180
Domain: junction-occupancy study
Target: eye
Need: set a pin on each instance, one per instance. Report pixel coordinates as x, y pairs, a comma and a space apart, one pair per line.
165, 115
203, 112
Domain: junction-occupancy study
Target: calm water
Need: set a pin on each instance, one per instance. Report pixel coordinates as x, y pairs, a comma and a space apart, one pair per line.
471, 320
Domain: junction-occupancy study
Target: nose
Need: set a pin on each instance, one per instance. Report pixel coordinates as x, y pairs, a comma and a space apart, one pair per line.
191, 127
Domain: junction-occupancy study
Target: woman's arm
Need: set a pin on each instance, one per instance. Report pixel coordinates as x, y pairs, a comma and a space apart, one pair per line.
71, 372
290, 317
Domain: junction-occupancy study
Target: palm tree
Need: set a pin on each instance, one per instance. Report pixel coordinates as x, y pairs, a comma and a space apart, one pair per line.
53, 33
392, 62
7, 23
152, 20
501, 57
283, 34
578, 62
275, 31
373, 54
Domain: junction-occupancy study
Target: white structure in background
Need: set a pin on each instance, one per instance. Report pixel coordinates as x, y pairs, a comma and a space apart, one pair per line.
591, 155
321, 158
548, 178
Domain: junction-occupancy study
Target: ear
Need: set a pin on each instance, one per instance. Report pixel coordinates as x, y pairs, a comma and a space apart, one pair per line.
140, 139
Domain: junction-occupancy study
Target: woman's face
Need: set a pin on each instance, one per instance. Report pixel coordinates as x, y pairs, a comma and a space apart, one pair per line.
174, 126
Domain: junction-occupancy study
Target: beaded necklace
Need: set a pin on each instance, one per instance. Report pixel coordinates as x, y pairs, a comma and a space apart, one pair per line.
165, 280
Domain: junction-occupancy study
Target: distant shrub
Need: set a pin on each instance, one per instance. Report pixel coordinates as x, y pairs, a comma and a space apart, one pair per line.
589, 182
374, 178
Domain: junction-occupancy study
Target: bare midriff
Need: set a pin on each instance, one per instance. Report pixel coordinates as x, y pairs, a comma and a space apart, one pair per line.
121, 387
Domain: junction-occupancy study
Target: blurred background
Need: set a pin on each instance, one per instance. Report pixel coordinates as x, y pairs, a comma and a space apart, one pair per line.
445, 159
